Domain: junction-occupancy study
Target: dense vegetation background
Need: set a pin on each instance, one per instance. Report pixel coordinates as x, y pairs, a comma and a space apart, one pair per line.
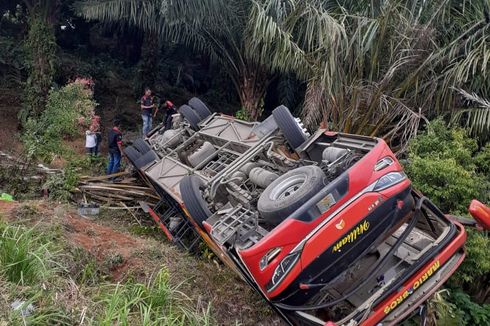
413, 72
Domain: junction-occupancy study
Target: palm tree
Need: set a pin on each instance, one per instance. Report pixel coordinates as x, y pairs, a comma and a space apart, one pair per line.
214, 27
374, 67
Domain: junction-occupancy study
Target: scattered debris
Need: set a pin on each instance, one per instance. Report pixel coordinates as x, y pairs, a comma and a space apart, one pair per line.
7, 160
126, 193
6, 197
25, 311
90, 209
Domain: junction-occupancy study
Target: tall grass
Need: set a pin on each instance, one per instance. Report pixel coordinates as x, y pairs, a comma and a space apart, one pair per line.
25, 257
154, 303
35, 272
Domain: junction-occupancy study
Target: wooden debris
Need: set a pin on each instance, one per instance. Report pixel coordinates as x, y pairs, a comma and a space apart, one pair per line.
125, 193
130, 211
103, 177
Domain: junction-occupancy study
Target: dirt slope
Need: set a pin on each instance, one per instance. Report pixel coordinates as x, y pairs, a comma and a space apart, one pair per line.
128, 255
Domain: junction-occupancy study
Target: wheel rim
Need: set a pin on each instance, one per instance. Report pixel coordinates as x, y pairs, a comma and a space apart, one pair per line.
288, 187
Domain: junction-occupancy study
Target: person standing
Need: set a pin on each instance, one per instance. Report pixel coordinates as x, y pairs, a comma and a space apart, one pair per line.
95, 126
90, 142
169, 111
147, 107
115, 148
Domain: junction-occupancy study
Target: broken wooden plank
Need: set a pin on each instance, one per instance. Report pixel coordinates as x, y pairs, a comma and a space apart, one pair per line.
103, 177
124, 205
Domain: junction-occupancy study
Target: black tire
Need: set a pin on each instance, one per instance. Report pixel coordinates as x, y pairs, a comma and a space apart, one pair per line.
293, 133
289, 192
200, 108
190, 115
190, 190
145, 159
132, 154
141, 145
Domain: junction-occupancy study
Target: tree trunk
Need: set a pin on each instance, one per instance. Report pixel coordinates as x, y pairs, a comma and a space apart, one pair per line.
253, 85
41, 49
314, 106
148, 65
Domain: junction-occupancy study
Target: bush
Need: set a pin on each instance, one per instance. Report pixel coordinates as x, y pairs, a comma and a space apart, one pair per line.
64, 110
473, 275
242, 114
469, 313
443, 165
61, 185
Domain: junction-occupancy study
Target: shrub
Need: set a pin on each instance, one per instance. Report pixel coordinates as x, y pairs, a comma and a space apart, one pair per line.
443, 165
65, 109
474, 273
470, 313
61, 185
242, 114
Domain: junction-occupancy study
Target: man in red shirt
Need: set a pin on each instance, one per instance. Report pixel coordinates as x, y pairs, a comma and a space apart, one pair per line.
170, 110
147, 106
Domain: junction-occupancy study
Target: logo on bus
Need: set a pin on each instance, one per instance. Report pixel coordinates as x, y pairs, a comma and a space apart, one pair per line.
352, 236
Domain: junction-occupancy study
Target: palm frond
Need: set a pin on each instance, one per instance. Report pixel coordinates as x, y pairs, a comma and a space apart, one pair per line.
476, 116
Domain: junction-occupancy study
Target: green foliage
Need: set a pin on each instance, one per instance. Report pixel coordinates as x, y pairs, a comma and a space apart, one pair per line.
482, 160
61, 185
154, 303
375, 67
445, 181
13, 182
469, 313
475, 115
12, 62
443, 312
43, 136
242, 114
148, 66
41, 48
62, 286
215, 28
442, 164
82, 267
25, 256
453, 307
473, 276
146, 230
477, 262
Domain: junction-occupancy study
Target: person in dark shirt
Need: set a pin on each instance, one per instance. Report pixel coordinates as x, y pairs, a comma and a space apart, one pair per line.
147, 114
169, 111
115, 148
